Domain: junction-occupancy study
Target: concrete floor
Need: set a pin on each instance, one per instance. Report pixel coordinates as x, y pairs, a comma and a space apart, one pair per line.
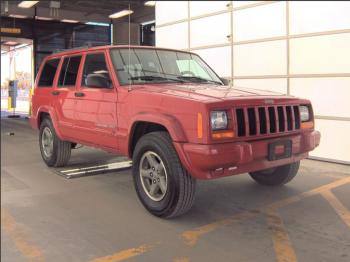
45, 217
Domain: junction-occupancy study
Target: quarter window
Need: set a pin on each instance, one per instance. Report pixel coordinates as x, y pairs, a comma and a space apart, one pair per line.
95, 74
69, 71
48, 73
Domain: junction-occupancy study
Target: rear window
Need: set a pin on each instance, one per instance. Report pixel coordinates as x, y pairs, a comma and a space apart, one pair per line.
48, 73
69, 71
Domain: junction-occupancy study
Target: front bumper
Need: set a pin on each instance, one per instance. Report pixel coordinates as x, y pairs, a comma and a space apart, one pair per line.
219, 160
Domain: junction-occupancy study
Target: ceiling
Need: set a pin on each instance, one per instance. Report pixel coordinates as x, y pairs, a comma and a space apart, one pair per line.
82, 10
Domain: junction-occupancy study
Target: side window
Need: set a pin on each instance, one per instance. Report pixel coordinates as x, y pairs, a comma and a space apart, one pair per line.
95, 74
48, 73
69, 71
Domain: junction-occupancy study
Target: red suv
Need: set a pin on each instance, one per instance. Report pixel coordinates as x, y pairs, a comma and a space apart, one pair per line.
172, 114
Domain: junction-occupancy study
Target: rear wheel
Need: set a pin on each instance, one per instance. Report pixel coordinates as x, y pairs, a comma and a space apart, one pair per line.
276, 176
163, 186
54, 151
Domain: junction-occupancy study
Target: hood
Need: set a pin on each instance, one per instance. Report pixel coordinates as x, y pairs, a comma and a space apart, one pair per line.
206, 92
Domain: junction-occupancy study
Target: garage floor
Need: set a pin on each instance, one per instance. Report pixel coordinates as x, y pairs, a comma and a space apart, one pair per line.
45, 217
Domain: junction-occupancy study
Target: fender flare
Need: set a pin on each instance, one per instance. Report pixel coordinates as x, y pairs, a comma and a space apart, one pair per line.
170, 122
51, 112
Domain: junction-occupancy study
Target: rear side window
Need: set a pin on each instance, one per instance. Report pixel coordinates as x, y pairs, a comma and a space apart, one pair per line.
48, 73
69, 71
95, 66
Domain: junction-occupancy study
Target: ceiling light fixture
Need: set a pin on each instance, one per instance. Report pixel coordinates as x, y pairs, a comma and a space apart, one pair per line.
150, 3
27, 4
121, 14
69, 21
18, 16
43, 18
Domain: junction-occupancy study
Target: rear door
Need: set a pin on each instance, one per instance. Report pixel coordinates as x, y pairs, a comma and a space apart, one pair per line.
65, 94
96, 106
43, 96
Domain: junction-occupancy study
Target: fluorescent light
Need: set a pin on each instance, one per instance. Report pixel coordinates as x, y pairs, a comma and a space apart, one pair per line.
44, 18
150, 3
148, 22
96, 23
27, 4
69, 21
18, 16
121, 13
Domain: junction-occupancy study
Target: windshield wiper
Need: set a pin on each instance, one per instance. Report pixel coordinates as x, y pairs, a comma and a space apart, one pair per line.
198, 79
155, 78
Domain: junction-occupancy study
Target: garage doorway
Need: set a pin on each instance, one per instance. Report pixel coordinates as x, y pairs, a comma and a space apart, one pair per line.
16, 64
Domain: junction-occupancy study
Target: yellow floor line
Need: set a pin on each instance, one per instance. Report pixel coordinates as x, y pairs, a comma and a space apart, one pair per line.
341, 210
182, 259
20, 238
283, 248
125, 254
191, 237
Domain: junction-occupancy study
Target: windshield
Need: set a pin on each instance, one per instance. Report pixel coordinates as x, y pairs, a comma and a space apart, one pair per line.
158, 66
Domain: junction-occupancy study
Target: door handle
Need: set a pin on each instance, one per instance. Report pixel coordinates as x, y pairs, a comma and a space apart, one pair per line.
55, 93
79, 94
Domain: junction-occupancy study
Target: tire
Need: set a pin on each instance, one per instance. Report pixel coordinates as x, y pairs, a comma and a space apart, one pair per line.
178, 195
276, 176
60, 150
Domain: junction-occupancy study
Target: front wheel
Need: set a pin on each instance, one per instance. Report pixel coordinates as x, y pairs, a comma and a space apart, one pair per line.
163, 186
276, 176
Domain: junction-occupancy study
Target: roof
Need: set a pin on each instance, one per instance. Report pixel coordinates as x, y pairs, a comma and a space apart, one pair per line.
96, 48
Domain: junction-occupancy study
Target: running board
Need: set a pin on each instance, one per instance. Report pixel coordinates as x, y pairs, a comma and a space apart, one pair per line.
94, 170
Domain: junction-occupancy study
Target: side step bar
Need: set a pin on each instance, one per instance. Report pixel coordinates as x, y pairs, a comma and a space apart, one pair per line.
94, 170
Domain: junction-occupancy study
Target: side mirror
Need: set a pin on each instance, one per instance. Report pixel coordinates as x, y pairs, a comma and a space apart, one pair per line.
225, 81
98, 81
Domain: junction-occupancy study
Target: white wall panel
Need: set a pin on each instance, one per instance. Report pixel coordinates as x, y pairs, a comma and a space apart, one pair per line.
244, 3
267, 58
260, 22
329, 96
316, 16
210, 30
335, 142
276, 84
198, 8
170, 11
320, 54
217, 58
173, 36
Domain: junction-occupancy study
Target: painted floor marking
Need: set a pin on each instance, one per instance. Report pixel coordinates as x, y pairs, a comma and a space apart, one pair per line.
191, 237
284, 250
339, 208
20, 238
125, 254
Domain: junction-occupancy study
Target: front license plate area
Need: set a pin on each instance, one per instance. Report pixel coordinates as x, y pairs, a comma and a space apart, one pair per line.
279, 150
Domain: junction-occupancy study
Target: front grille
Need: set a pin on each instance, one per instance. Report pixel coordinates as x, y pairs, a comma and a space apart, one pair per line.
252, 121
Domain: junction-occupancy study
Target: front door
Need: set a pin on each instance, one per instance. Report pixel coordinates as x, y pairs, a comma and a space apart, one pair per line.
96, 103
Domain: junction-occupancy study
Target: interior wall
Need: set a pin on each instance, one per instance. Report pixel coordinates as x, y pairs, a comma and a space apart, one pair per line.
296, 47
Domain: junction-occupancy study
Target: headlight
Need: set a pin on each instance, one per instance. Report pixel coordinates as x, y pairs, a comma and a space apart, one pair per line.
304, 113
218, 120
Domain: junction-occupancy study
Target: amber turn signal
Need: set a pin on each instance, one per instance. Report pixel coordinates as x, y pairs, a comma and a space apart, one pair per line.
307, 125
221, 135
199, 125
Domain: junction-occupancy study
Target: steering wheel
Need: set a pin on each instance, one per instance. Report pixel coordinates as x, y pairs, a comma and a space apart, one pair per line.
190, 73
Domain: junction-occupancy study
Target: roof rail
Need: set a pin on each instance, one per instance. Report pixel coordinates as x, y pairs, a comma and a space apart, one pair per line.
74, 48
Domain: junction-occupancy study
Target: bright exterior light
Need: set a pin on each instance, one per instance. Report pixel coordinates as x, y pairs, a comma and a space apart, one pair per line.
69, 21
121, 14
150, 3
27, 4
18, 16
44, 18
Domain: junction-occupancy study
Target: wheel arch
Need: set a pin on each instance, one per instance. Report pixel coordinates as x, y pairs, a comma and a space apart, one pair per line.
147, 123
